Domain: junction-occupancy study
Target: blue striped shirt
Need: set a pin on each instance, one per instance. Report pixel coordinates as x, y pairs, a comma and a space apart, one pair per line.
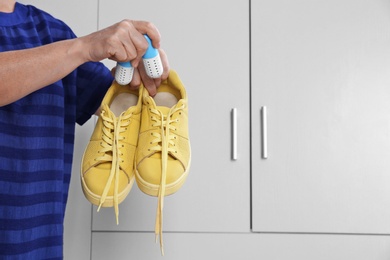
37, 139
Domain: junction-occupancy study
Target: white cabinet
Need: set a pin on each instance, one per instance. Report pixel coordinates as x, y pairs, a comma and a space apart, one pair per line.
322, 69
207, 43
195, 246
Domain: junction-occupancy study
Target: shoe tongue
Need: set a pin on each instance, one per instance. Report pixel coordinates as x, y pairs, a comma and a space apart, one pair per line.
164, 110
131, 109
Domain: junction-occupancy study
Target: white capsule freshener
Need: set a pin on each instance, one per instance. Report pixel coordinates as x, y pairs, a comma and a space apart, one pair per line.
124, 73
152, 61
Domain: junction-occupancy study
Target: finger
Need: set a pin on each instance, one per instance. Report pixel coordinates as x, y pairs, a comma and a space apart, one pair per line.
131, 41
136, 81
165, 64
148, 82
113, 71
137, 47
121, 47
151, 30
157, 82
127, 43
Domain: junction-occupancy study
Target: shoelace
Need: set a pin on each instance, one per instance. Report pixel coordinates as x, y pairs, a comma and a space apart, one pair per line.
112, 128
165, 144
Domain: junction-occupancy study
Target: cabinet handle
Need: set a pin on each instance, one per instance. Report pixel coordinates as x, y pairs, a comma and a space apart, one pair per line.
264, 134
234, 133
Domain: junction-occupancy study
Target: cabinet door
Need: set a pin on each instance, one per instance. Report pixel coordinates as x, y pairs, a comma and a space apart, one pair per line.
322, 69
195, 246
209, 48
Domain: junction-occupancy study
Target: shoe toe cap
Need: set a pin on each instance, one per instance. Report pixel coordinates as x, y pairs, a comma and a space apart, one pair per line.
150, 170
96, 179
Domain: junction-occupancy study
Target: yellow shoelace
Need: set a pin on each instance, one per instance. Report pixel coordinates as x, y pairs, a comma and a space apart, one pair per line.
165, 144
112, 128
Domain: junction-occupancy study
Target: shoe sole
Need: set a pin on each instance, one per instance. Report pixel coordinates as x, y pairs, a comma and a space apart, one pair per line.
152, 189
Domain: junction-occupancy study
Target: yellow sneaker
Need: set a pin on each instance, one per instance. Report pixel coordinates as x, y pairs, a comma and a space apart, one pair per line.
163, 154
107, 168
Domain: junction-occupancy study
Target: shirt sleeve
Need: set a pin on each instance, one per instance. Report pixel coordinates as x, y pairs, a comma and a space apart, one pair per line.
93, 81
92, 78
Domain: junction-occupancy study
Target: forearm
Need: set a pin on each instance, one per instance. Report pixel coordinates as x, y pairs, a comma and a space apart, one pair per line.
25, 71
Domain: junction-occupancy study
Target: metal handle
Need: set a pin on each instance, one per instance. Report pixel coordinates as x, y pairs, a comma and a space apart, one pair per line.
234, 133
264, 133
